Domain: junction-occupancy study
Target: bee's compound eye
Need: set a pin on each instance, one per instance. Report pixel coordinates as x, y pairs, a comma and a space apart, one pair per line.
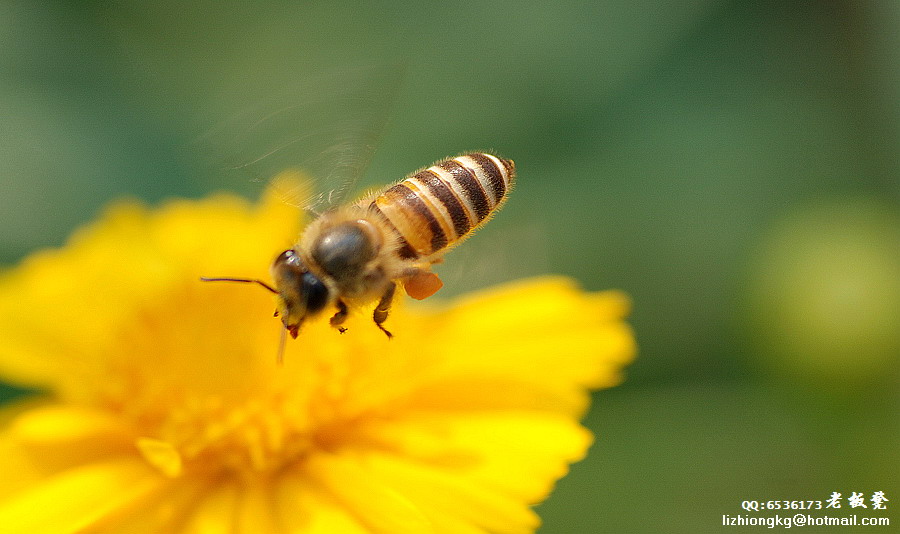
301, 293
288, 257
344, 250
314, 292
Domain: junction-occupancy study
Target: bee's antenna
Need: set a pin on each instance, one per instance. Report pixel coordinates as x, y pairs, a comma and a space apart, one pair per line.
282, 342
242, 280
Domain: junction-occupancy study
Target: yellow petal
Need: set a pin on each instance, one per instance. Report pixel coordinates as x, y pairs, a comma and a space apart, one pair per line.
380, 508
216, 511
304, 507
162, 512
519, 454
255, 512
452, 492
112, 269
69, 424
491, 393
48, 439
16, 464
75, 499
542, 337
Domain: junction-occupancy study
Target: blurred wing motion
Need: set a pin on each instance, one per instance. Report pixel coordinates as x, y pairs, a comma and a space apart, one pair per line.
326, 126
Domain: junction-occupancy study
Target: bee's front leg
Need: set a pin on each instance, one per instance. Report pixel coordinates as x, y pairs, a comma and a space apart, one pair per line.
384, 306
338, 318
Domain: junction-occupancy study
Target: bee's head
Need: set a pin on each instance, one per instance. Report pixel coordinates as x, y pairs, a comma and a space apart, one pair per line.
300, 293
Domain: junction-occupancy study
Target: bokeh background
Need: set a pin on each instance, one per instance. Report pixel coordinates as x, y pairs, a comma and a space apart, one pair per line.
734, 166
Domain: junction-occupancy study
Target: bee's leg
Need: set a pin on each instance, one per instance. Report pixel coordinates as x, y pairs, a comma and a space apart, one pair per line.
384, 306
338, 318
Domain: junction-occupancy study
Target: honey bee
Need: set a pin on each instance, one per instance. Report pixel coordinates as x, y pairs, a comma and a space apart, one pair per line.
360, 252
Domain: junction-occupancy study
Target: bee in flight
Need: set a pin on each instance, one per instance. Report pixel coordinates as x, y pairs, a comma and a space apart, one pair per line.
358, 253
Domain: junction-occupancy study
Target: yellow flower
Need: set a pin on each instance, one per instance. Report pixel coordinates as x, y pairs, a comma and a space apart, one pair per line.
166, 410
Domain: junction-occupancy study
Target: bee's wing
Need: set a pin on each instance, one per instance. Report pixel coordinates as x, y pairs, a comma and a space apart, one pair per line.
495, 256
326, 126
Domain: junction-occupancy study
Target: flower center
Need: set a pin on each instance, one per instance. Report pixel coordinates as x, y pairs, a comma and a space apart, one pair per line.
209, 436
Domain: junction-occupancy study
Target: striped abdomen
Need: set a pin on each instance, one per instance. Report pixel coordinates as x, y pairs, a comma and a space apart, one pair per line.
435, 208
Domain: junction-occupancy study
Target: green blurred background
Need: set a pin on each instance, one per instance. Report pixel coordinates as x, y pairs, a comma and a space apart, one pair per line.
732, 165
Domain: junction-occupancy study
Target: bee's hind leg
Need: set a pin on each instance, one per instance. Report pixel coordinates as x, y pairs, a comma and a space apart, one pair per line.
338, 318
383, 308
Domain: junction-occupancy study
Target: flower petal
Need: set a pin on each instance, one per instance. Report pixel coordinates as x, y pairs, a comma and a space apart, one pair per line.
216, 510
307, 508
542, 342
48, 439
75, 499
377, 506
304, 507
453, 493
73, 305
518, 454
56, 423
163, 512
255, 508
